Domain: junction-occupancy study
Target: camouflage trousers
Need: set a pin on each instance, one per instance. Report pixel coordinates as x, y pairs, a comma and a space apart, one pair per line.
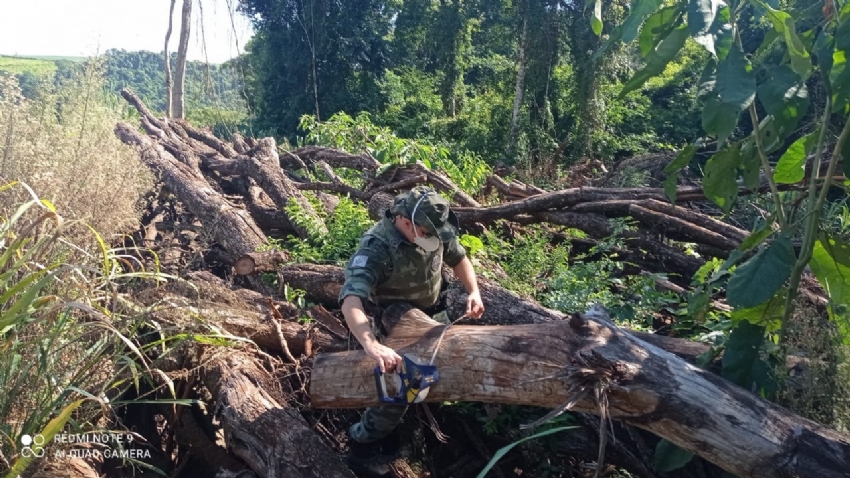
378, 422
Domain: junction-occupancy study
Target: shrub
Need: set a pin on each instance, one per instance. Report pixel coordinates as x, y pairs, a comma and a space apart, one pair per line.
63, 145
67, 351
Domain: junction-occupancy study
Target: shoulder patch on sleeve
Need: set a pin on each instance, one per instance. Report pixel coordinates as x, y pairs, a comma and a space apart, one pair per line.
359, 261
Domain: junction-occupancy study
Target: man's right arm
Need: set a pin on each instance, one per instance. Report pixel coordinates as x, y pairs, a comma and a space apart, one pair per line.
366, 270
358, 324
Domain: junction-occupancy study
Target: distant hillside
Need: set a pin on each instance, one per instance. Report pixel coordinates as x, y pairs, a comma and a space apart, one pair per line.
207, 86
213, 92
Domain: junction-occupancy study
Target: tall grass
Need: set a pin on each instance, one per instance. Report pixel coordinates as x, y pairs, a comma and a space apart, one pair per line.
68, 334
65, 349
62, 144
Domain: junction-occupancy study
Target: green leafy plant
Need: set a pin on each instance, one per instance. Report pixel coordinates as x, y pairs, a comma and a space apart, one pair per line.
768, 80
346, 226
359, 134
62, 324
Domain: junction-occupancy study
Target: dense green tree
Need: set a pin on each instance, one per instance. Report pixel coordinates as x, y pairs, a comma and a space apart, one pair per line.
463, 71
316, 57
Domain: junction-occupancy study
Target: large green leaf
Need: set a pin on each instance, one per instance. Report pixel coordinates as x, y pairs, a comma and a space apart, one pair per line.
719, 119
721, 30
736, 82
672, 170
785, 97
836, 248
707, 80
701, 14
839, 80
782, 22
639, 10
596, 19
750, 164
658, 26
832, 275
758, 236
728, 90
721, 172
791, 167
824, 46
658, 59
742, 354
842, 33
669, 457
768, 314
757, 280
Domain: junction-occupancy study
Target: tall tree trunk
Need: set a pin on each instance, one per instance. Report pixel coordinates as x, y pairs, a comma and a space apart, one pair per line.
178, 110
520, 83
168, 83
310, 38
586, 71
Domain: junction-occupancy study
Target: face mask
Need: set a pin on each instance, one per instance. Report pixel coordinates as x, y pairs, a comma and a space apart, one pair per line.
429, 244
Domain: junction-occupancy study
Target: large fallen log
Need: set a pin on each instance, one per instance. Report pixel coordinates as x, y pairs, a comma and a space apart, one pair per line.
232, 227
602, 369
272, 438
264, 168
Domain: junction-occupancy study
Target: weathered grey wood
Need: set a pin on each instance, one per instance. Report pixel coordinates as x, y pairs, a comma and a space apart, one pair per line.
272, 438
231, 226
645, 386
263, 167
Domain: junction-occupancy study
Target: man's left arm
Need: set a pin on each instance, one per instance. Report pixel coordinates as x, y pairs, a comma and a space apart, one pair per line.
455, 257
464, 271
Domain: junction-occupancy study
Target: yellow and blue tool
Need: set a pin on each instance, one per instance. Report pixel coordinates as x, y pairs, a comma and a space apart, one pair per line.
412, 381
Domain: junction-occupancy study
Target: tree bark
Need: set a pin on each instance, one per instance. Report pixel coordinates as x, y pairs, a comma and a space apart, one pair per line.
263, 167
336, 158
272, 438
232, 227
520, 84
178, 110
553, 364
168, 81
257, 262
322, 283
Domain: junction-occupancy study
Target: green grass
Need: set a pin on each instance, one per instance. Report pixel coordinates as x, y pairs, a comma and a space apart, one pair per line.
75, 59
17, 65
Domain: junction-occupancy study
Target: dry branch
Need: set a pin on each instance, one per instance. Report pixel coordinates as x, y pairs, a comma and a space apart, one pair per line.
337, 158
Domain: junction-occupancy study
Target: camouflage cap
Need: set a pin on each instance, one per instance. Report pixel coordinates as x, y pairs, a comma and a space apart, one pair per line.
433, 212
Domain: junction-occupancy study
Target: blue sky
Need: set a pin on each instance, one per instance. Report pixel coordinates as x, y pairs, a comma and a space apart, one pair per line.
86, 27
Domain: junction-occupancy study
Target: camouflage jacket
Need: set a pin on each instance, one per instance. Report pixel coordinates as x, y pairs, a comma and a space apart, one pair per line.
388, 268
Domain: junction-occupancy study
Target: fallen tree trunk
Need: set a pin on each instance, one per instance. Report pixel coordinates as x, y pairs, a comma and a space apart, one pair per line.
272, 438
257, 262
232, 227
264, 168
555, 363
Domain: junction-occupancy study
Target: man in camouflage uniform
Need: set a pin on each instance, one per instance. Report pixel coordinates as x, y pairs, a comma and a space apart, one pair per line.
400, 259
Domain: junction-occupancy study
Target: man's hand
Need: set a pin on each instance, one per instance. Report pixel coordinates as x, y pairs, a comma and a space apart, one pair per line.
386, 357
474, 305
